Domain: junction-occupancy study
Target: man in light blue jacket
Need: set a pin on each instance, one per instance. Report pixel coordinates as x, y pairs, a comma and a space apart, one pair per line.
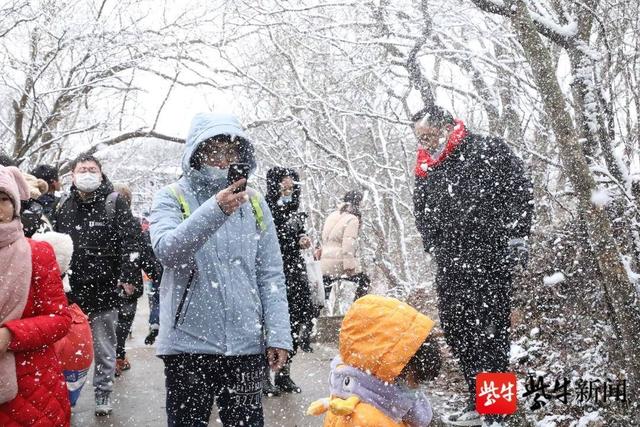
223, 303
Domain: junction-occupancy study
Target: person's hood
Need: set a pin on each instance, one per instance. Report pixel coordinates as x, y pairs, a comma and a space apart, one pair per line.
274, 177
381, 334
37, 186
105, 188
62, 246
14, 185
208, 125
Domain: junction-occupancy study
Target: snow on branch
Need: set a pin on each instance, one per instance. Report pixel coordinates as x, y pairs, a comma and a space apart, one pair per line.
564, 35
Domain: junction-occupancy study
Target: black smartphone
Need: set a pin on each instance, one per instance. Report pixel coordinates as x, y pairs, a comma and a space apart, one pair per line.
237, 171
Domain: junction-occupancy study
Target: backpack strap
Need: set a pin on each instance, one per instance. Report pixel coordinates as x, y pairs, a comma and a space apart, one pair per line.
179, 196
110, 205
258, 214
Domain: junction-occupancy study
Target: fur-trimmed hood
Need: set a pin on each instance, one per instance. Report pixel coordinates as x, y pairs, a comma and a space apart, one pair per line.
63, 248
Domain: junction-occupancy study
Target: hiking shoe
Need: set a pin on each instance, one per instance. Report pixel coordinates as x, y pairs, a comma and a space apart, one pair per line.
286, 384
122, 364
467, 417
494, 421
103, 405
151, 337
268, 389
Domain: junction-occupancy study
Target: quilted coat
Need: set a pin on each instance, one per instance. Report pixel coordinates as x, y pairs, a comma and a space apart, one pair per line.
42, 398
339, 244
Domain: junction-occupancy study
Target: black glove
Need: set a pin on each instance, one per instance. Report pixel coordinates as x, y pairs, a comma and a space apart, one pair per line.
518, 252
151, 338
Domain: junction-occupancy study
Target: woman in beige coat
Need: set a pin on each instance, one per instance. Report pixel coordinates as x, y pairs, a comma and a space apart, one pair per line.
339, 258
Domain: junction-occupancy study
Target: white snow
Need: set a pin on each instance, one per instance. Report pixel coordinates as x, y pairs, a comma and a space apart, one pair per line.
517, 352
554, 279
586, 420
569, 30
600, 198
547, 421
632, 275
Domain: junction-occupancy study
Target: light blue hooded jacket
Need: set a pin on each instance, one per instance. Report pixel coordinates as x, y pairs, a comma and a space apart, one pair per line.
236, 303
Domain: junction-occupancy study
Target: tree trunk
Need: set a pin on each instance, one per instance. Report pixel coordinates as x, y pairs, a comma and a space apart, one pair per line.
622, 293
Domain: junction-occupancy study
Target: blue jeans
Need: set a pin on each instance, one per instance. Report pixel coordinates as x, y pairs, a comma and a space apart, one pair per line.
154, 303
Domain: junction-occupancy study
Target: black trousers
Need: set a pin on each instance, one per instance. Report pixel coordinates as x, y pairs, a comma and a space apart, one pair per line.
474, 304
301, 309
195, 381
126, 314
361, 280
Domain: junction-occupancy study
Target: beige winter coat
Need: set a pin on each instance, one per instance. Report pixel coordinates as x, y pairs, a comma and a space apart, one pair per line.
339, 236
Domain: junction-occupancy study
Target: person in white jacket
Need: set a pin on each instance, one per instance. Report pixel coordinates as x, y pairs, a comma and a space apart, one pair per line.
339, 257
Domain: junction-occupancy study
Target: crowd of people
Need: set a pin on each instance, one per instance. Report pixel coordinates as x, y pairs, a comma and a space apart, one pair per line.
225, 273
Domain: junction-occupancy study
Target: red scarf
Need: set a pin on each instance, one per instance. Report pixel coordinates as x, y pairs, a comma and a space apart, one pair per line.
426, 162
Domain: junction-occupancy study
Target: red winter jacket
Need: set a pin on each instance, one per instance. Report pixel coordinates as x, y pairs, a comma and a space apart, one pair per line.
42, 398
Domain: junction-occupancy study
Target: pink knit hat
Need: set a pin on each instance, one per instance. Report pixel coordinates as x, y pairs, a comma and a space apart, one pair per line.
13, 184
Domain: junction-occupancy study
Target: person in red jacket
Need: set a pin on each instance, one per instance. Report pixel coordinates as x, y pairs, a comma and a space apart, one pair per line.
33, 315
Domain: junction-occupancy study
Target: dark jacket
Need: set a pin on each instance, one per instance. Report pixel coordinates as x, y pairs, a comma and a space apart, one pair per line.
106, 250
48, 202
148, 260
473, 202
290, 227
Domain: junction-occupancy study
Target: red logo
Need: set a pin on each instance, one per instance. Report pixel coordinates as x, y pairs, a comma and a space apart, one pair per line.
496, 393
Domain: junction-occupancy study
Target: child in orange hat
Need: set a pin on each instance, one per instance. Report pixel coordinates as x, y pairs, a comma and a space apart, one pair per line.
386, 352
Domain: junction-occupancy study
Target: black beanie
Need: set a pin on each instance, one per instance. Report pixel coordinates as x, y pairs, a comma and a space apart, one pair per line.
433, 115
354, 197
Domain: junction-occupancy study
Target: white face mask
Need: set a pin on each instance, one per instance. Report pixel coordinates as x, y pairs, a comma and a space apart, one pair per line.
215, 173
87, 181
284, 200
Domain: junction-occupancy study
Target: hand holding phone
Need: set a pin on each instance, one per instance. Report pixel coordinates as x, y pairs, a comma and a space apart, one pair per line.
230, 199
238, 171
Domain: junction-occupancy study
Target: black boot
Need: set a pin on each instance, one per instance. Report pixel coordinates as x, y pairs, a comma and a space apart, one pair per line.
268, 389
306, 347
284, 382
305, 338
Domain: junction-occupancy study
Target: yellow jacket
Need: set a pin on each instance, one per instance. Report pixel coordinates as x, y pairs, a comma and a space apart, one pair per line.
379, 336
